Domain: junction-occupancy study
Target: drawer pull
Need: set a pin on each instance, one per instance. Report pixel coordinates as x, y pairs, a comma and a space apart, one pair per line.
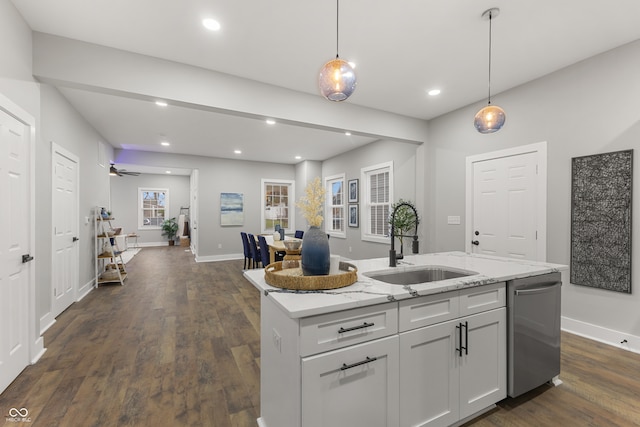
355, 328
344, 366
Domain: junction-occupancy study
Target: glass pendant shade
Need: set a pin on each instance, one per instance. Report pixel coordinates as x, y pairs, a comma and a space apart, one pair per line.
490, 119
337, 80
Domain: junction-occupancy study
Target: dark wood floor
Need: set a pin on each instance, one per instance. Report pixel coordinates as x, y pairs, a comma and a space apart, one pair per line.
179, 345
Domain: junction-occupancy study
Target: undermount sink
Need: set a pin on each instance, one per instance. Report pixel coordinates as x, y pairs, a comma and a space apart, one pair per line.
416, 275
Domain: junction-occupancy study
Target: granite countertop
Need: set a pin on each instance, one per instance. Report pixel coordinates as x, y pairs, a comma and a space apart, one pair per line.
368, 291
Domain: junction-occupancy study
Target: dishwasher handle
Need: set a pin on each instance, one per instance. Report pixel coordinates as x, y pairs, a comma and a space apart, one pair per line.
540, 290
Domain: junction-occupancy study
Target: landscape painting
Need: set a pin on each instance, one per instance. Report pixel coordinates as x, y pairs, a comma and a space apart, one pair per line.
231, 209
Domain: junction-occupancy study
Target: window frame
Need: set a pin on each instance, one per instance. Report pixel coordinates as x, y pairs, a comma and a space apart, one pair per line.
329, 206
365, 192
167, 206
290, 204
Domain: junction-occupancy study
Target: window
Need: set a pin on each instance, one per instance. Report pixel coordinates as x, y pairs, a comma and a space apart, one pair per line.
334, 218
153, 207
277, 205
377, 189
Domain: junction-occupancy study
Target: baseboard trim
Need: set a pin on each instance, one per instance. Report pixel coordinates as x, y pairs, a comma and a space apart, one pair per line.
604, 335
84, 291
38, 350
47, 320
215, 258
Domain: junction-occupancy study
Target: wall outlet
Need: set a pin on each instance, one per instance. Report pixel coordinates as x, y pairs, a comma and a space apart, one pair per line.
277, 341
350, 249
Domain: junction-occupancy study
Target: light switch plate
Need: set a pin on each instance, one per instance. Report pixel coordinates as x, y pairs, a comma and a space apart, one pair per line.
453, 220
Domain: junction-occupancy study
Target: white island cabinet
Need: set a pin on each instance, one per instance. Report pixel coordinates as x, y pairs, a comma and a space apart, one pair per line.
379, 355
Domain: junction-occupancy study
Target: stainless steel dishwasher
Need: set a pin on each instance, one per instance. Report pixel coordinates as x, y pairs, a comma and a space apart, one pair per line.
533, 310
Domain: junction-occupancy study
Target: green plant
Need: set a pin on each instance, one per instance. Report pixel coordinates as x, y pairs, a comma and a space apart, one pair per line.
405, 220
170, 228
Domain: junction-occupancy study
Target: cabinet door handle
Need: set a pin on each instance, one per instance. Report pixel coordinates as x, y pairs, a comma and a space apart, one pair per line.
459, 349
355, 328
466, 337
344, 366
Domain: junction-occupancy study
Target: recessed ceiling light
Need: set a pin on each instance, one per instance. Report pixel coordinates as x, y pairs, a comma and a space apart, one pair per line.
271, 122
211, 24
167, 171
298, 157
165, 143
353, 64
161, 104
347, 133
434, 92
237, 151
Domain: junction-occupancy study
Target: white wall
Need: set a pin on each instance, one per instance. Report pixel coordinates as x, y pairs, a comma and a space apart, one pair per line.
588, 108
124, 202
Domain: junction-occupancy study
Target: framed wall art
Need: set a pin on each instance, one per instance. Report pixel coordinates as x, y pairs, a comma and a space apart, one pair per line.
601, 201
353, 191
231, 209
353, 215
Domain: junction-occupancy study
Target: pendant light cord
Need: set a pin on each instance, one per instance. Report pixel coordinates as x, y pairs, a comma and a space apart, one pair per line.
490, 18
337, 26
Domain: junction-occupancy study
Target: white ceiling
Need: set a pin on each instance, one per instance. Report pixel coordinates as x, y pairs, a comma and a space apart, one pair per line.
402, 48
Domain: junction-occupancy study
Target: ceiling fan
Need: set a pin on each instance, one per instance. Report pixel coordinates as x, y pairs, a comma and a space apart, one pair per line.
120, 172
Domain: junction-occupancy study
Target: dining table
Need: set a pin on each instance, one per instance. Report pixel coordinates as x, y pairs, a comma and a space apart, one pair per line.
275, 246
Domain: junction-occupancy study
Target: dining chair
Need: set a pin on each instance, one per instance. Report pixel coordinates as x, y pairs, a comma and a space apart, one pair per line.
299, 234
255, 252
264, 251
247, 251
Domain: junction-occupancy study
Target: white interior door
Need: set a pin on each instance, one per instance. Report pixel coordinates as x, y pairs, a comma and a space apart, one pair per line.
65, 229
15, 272
506, 203
193, 212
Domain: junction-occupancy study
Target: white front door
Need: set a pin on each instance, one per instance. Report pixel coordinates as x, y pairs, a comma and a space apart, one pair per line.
65, 229
506, 204
15, 268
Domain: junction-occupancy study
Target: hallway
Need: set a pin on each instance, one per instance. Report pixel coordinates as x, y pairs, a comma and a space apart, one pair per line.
177, 345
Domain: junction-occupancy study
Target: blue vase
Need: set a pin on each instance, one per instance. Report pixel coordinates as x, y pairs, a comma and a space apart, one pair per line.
315, 252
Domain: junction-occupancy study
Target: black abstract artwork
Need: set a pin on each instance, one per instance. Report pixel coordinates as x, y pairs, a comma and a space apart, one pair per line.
601, 199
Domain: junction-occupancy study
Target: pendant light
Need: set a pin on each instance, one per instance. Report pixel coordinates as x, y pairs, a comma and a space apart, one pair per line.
491, 118
337, 79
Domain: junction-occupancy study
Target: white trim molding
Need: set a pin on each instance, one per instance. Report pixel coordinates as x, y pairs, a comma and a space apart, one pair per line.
601, 334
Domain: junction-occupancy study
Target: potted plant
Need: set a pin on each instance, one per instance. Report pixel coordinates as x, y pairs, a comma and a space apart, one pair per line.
169, 229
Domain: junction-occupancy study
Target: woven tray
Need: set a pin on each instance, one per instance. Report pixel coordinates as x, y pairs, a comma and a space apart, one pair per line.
292, 278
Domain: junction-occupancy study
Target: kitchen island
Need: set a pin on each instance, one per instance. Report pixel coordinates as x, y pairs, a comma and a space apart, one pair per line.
379, 354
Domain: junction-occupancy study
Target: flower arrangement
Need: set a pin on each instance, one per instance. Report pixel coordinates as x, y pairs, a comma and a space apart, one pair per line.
312, 204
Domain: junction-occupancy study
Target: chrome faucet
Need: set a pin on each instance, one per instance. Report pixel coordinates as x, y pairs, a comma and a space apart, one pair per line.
414, 245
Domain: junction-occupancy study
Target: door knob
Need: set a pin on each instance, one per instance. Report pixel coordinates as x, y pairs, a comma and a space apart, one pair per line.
475, 242
26, 258
75, 239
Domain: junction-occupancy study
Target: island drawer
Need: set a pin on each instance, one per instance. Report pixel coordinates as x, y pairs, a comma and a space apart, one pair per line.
428, 310
340, 329
482, 298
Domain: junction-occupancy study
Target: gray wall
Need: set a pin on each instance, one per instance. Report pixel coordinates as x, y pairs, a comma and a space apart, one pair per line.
218, 176
404, 160
124, 202
63, 125
588, 108
56, 121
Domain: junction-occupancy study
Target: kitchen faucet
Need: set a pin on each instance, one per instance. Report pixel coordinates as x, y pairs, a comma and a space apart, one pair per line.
414, 245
